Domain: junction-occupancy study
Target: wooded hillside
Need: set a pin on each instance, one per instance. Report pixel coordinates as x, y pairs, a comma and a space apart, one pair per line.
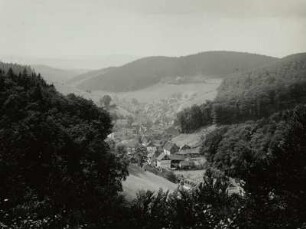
148, 71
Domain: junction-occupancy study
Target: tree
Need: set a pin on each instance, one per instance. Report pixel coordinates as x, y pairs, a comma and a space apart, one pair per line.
141, 154
269, 157
55, 167
105, 101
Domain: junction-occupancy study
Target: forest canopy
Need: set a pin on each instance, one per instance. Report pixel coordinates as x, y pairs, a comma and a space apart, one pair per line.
251, 95
55, 168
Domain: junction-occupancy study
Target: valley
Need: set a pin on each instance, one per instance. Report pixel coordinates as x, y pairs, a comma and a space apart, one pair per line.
181, 140
141, 114
146, 116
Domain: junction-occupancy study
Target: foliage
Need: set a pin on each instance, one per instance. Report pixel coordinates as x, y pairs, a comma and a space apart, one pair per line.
252, 95
208, 206
191, 119
140, 154
262, 92
269, 156
148, 71
105, 101
55, 168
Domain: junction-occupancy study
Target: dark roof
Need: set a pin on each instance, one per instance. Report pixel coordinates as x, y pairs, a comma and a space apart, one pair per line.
189, 151
161, 156
185, 147
170, 145
175, 157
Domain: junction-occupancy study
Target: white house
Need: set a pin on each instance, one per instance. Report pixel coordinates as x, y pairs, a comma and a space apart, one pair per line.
163, 161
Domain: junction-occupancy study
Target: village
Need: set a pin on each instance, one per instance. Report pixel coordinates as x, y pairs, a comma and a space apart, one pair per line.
152, 148
161, 149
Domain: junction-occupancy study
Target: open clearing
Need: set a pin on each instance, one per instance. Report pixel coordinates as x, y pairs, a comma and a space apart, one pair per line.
194, 175
144, 180
196, 92
194, 139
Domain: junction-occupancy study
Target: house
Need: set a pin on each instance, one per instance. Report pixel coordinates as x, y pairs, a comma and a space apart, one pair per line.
170, 148
163, 161
175, 160
151, 147
191, 152
159, 145
184, 147
168, 161
152, 158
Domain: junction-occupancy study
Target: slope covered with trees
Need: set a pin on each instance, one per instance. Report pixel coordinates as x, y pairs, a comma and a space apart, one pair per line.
262, 92
269, 157
260, 141
55, 168
88, 75
148, 71
252, 95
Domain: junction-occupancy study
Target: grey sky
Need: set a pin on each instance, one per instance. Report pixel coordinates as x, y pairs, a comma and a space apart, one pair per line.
81, 28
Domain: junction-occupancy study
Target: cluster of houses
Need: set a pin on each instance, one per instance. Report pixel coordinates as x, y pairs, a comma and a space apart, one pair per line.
171, 156
166, 155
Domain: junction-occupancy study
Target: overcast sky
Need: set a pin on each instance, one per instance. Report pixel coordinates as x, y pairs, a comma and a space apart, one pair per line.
80, 28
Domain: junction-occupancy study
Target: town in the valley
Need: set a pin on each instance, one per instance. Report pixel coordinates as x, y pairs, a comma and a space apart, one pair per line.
158, 146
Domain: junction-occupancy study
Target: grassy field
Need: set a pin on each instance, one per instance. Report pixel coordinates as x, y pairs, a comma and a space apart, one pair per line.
144, 180
196, 92
189, 94
193, 175
194, 139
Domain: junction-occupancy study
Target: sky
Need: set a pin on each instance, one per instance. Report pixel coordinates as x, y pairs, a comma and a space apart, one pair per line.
91, 29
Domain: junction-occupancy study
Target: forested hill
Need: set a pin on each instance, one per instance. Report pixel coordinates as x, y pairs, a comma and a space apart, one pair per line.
151, 70
261, 92
260, 140
88, 75
55, 167
286, 71
252, 95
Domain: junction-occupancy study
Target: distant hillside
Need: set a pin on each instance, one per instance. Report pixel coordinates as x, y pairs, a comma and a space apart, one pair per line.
261, 92
17, 68
286, 71
88, 75
252, 95
148, 71
55, 75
